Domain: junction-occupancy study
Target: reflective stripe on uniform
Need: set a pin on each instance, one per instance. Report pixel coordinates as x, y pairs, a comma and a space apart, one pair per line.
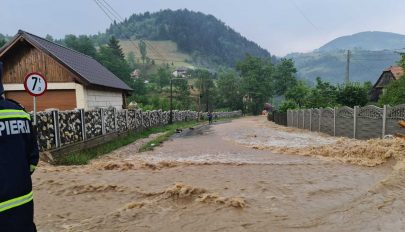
32, 167
15, 202
4, 114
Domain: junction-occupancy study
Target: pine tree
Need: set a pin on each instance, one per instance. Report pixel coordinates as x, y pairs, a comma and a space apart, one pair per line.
114, 44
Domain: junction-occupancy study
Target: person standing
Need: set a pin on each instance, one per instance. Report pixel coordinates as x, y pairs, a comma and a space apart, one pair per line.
19, 156
209, 115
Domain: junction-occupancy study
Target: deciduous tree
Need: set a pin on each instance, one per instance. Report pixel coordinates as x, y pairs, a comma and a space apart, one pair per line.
353, 94
256, 83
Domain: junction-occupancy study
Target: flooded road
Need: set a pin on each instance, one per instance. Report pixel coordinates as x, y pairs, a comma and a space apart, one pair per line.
235, 176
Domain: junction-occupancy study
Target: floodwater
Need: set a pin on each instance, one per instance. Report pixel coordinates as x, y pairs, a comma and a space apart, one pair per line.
244, 175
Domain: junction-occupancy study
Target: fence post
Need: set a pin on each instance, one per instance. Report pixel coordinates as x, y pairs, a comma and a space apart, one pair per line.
384, 118
83, 121
298, 118
150, 119
320, 118
115, 119
55, 116
103, 131
334, 121
126, 119
161, 117
291, 119
303, 119
142, 126
310, 119
355, 109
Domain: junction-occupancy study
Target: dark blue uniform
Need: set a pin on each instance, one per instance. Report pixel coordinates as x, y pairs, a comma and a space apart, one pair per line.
18, 158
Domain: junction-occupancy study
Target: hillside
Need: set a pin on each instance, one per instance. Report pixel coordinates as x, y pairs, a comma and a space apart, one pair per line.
370, 40
207, 40
161, 52
372, 52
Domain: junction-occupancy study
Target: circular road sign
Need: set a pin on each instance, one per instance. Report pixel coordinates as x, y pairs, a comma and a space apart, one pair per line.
35, 84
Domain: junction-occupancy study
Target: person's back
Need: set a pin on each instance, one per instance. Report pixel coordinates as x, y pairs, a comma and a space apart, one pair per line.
18, 158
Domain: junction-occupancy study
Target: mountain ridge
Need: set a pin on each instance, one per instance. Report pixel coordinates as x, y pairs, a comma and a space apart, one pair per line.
366, 40
371, 53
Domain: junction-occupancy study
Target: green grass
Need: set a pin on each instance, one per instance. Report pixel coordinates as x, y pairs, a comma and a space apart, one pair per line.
157, 141
160, 139
83, 157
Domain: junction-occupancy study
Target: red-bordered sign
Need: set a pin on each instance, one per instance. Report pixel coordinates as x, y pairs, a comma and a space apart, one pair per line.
35, 84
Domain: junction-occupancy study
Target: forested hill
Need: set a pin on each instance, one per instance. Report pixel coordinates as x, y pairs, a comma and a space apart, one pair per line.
202, 36
368, 40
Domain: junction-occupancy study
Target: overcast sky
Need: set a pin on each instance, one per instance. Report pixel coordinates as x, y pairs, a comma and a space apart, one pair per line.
280, 26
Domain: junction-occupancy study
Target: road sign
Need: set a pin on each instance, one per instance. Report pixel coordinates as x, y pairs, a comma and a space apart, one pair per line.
35, 84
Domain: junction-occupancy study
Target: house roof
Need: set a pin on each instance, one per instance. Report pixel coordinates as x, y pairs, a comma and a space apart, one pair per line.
397, 71
85, 67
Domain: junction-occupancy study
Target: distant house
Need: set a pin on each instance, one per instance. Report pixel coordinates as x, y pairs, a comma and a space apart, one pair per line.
136, 74
181, 72
389, 74
74, 80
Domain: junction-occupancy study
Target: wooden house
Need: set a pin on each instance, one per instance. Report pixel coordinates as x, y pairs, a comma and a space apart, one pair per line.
74, 80
389, 74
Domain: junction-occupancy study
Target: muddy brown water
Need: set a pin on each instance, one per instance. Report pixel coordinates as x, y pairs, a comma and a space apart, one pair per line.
212, 179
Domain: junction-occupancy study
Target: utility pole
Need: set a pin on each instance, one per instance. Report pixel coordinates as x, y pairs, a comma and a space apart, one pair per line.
171, 102
171, 99
347, 79
199, 98
207, 96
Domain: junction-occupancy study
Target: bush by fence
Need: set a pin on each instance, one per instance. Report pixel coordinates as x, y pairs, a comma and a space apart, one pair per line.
60, 128
358, 122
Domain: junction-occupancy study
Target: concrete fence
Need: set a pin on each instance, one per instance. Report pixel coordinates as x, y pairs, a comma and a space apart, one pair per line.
359, 122
279, 118
57, 129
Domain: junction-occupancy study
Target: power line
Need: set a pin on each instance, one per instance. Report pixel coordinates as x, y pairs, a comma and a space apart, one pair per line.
112, 9
114, 16
303, 15
105, 12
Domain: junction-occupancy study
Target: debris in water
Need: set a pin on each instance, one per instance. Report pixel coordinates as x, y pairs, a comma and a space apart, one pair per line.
136, 205
365, 153
180, 190
236, 202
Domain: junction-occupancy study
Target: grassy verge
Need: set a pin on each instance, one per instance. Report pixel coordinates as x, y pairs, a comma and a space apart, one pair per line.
160, 139
155, 142
83, 157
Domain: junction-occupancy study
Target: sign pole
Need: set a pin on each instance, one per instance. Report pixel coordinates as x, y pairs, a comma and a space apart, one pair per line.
35, 110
